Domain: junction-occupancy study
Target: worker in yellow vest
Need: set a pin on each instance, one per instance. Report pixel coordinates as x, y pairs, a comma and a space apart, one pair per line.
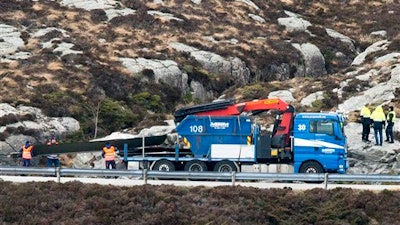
390, 119
366, 121
379, 118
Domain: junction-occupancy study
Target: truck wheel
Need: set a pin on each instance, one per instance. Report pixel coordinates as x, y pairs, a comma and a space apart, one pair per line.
311, 167
164, 166
225, 166
196, 166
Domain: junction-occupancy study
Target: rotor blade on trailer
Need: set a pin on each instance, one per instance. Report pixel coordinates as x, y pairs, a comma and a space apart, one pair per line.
80, 147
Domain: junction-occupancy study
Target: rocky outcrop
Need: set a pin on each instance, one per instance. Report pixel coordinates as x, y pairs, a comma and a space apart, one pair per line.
314, 61
166, 71
377, 46
111, 8
21, 123
379, 93
216, 64
366, 158
10, 41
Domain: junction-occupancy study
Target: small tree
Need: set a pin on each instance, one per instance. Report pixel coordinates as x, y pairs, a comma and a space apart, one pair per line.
96, 97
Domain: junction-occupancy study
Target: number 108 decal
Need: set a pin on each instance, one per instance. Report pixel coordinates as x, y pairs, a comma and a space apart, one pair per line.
196, 129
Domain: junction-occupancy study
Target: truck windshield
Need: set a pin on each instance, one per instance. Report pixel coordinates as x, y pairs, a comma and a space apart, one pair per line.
322, 127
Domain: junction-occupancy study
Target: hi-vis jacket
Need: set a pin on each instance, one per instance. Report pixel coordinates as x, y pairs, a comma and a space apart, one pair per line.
378, 115
109, 153
365, 112
27, 152
391, 117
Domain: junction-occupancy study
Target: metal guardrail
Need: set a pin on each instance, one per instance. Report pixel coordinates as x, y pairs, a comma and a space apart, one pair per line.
232, 177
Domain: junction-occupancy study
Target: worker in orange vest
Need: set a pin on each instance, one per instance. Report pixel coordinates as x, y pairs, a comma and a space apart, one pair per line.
26, 151
108, 154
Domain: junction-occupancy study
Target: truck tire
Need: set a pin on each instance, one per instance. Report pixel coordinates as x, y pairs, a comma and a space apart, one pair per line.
225, 166
196, 166
164, 166
311, 167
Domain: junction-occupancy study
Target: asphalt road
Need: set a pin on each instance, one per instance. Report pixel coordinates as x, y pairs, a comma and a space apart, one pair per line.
122, 181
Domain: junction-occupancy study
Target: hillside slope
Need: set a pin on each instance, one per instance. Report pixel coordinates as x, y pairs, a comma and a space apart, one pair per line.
67, 57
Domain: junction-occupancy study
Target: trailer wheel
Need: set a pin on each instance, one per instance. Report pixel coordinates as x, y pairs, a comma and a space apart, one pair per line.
196, 166
164, 166
311, 167
225, 166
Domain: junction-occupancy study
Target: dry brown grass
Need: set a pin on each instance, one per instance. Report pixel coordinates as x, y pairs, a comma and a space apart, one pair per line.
8, 82
54, 66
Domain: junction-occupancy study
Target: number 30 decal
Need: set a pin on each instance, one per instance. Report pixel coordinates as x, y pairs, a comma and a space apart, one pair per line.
301, 127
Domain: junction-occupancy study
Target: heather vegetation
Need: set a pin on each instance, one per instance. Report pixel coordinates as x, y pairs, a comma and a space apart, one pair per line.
77, 203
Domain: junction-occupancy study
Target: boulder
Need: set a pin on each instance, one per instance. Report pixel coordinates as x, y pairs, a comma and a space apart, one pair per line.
199, 92
257, 18
379, 34
375, 47
308, 100
217, 64
166, 71
343, 38
313, 59
294, 22
282, 94
251, 4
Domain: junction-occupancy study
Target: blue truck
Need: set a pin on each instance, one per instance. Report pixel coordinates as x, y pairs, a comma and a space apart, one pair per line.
226, 136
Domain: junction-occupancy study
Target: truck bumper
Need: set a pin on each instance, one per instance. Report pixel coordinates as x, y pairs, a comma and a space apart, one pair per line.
343, 166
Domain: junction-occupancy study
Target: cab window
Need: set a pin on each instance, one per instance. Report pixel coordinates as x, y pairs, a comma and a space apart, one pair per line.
321, 127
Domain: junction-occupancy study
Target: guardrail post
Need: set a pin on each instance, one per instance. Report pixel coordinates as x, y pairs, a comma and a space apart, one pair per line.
233, 176
326, 181
58, 174
144, 175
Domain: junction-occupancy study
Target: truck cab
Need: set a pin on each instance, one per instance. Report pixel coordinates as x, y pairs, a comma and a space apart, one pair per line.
319, 143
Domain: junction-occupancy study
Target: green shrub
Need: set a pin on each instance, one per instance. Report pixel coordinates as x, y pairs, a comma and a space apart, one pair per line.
255, 91
56, 103
115, 116
148, 101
